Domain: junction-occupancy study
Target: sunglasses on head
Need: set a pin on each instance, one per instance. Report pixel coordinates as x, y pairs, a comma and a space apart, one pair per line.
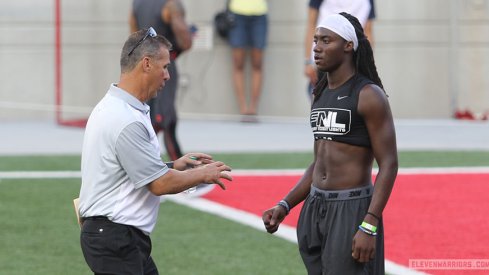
150, 32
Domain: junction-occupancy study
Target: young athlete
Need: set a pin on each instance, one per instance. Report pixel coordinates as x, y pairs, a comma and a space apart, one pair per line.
340, 225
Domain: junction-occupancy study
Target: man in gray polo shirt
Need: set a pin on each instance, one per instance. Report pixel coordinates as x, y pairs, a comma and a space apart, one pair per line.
122, 172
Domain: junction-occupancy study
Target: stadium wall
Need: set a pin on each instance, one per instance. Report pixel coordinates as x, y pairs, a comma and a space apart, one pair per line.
433, 56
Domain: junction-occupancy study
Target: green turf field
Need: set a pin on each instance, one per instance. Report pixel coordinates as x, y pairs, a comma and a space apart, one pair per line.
39, 234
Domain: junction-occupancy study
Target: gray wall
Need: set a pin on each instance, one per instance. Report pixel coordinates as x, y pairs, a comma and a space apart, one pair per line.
432, 55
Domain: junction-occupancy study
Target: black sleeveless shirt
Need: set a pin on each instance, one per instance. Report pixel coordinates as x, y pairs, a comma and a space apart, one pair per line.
334, 114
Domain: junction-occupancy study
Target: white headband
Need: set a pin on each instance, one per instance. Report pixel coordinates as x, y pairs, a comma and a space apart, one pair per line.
340, 25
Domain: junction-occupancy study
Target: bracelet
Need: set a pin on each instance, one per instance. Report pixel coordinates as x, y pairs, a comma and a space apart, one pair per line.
285, 205
169, 164
369, 227
373, 215
366, 231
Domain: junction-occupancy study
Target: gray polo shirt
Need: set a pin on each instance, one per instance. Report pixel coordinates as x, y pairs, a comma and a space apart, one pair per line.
120, 156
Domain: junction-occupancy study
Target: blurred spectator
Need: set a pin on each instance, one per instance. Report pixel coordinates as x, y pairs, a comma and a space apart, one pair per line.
249, 33
369, 32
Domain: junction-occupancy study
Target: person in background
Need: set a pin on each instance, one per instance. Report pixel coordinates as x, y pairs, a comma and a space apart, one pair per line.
369, 25
340, 229
122, 171
248, 33
167, 17
318, 9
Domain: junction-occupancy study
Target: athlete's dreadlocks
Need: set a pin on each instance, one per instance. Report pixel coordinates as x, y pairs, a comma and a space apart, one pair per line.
363, 58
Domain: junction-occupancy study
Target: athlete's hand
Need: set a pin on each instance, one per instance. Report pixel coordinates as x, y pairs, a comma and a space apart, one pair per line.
273, 217
191, 160
363, 247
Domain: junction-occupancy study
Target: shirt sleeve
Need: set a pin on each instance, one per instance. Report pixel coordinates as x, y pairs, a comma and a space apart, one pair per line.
315, 4
139, 158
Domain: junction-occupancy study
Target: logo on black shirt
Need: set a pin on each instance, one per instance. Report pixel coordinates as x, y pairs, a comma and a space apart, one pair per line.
330, 121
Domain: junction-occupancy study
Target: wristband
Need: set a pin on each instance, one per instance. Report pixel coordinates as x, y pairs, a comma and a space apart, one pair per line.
369, 227
366, 231
285, 205
169, 164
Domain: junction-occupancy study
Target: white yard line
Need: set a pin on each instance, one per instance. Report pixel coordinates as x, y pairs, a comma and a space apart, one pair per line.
263, 172
39, 174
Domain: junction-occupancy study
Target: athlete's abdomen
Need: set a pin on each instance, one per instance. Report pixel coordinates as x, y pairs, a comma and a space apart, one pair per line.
341, 166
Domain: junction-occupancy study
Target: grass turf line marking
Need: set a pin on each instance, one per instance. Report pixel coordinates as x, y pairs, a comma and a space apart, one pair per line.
39, 174
242, 172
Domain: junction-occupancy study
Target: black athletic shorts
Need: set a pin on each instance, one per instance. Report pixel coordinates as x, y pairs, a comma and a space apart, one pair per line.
327, 224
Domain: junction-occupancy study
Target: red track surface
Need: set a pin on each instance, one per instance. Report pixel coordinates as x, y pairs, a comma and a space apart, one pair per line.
429, 216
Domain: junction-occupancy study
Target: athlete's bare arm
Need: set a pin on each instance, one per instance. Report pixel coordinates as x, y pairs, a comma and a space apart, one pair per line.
374, 108
133, 23
174, 14
310, 69
275, 215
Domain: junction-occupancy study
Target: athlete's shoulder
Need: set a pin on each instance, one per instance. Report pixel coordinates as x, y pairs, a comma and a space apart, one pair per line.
372, 89
372, 98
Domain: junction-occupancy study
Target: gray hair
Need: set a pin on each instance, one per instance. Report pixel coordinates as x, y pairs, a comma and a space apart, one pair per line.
148, 47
